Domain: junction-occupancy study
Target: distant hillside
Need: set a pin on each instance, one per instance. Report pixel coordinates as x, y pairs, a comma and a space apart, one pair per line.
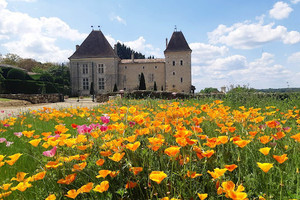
273, 90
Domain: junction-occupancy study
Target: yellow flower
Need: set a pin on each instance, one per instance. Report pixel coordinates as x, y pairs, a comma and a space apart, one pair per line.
217, 172
35, 142
157, 176
51, 197
202, 196
172, 151
265, 150
117, 157
104, 185
265, 166
13, 158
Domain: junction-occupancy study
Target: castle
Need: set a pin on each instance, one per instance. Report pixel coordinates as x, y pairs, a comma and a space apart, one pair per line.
95, 61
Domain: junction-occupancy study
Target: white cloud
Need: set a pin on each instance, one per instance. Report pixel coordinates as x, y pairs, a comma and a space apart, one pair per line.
35, 37
118, 19
252, 35
295, 1
29, 1
238, 70
3, 4
204, 53
280, 10
294, 58
140, 45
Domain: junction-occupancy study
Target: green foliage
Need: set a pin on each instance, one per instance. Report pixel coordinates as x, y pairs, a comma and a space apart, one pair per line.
92, 90
46, 77
16, 74
115, 88
11, 59
142, 85
155, 87
208, 90
15, 86
125, 52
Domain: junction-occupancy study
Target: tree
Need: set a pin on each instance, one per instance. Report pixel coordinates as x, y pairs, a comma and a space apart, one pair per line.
155, 87
125, 52
11, 59
209, 90
193, 88
28, 64
92, 91
115, 88
142, 85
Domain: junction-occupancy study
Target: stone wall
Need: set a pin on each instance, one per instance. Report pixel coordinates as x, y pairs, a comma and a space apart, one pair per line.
35, 98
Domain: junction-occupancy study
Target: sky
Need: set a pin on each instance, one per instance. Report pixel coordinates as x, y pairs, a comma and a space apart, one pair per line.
255, 43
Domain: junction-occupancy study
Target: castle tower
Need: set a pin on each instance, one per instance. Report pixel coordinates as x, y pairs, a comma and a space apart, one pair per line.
178, 64
94, 61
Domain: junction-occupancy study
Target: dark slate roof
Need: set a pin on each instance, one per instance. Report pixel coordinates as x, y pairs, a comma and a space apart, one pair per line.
94, 46
177, 43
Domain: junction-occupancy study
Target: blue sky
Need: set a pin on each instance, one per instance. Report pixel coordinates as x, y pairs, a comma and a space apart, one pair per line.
254, 43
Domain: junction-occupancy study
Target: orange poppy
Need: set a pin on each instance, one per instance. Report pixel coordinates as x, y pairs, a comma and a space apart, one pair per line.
172, 151
86, 188
35, 142
19, 177
6, 186
68, 179
265, 139
103, 173
104, 185
217, 172
296, 137
72, 194
193, 174
51, 197
53, 164
100, 162
242, 143
231, 167
202, 196
79, 167
39, 176
136, 170
157, 176
130, 184
265, 150
133, 146
117, 157
281, 159
13, 158
265, 166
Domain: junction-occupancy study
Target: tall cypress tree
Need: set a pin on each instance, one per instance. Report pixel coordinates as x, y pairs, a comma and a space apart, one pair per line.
155, 87
142, 85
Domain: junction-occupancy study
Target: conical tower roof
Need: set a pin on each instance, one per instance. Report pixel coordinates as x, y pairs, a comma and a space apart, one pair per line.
177, 43
94, 46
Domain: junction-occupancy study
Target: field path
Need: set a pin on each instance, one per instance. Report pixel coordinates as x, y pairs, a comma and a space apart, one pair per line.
8, 111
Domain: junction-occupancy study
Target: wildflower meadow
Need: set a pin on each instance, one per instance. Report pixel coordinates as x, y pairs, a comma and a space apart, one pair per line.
153, 149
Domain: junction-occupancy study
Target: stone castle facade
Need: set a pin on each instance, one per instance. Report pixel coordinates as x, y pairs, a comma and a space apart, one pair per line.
95, 61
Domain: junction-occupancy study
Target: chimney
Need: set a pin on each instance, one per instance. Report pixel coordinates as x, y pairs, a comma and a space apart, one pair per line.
77, 46
132, 56
166, 42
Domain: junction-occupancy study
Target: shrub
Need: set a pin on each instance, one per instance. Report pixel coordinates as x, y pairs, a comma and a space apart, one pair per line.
16, 74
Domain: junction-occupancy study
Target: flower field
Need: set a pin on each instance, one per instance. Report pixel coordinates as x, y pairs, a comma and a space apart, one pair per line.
152, 149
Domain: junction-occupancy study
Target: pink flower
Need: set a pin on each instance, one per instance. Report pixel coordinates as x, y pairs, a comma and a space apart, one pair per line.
18, 134
8, 143
6, 125
2, 111
105, 119
103, 128
131, 124
2, 140
50, 153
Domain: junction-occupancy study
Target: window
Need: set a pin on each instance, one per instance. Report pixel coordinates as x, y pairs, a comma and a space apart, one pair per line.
143, 67
173, 86
181, 79
139, 77
124, 78
100, 68
85, 69
101, 83
181, 62
151, 78
85, 83
125, 67
155, 67
173, 63
173, 73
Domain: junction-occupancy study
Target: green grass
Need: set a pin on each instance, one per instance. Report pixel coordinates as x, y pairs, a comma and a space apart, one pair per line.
3, 99
281, 182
